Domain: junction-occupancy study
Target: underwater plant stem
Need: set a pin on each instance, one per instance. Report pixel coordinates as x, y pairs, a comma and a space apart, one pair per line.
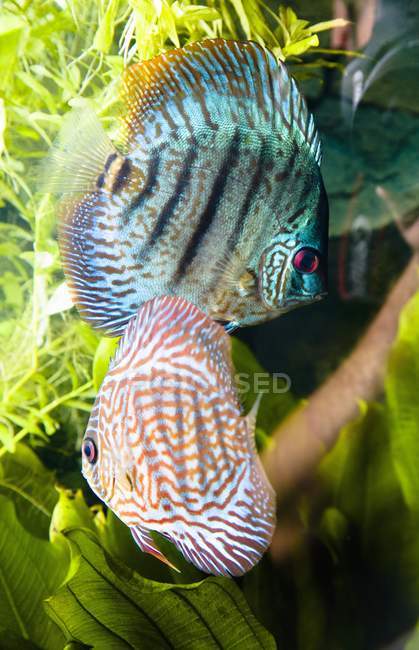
308, 433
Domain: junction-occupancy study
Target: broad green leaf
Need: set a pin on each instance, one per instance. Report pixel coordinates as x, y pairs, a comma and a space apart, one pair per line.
30, 571
402, 384
413, 641
374, 532
70, 511
168, 24
299, 47
194, 13
107, 605
12, 641
26, 482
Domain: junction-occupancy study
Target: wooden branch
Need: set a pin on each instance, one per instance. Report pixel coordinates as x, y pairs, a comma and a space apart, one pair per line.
308, 433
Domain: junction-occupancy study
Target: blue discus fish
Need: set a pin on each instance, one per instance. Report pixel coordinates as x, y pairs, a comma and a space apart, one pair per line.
216, 196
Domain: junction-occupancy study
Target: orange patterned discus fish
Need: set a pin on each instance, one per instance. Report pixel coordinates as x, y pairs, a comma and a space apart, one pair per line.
167, 448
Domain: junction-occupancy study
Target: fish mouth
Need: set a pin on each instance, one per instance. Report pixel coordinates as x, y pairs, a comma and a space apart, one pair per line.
293, 303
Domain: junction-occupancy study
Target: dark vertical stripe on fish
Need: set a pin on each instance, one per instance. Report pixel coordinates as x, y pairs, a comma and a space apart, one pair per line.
296, 214
210, 211
122, 176
146, 190
109, 161
250, 195
170, 205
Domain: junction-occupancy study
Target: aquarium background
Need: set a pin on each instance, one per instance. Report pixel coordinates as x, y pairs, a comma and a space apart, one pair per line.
344, 567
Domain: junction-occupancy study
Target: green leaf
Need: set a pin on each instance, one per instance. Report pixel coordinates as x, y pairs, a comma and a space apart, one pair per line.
413, 642
70, 511
105, 604
13, 30
103, 355
244, 21
402, 397
12, 641
104, 35
301, 46
329, 24
26, 482
369, 531
7, 438
30, 570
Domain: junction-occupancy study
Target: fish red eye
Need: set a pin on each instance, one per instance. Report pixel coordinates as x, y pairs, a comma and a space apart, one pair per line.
89, 450
306, 260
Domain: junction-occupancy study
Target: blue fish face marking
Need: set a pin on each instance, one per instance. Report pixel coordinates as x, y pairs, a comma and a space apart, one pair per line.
293, 268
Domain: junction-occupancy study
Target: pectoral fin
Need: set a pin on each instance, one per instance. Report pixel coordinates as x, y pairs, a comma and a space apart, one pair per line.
146, 543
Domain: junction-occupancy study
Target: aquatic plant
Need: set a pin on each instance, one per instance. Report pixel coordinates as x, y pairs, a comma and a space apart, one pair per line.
53, 56
70, 573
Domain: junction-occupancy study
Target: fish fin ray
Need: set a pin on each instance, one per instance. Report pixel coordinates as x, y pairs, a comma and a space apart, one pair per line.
224, 555
230, 80
167, 314
146, 543
231, 327
78, 155
252, 415
234, 274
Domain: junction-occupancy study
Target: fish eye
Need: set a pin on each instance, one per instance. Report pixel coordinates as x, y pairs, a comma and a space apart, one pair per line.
89, 450
306, 260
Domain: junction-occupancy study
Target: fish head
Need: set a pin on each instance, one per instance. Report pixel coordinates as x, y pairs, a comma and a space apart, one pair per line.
293, 268
107, 459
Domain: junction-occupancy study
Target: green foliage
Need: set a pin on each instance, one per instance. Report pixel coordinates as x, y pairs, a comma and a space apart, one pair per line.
402, 396
26, 482
353, 581
362, 515
53, 55
107, 605
30, 570
70, 589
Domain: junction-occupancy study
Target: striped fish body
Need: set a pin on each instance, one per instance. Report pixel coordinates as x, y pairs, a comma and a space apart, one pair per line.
173, 453
219, 189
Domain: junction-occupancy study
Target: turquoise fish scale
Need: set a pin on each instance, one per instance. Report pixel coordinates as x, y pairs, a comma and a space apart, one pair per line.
222, 164
174, 453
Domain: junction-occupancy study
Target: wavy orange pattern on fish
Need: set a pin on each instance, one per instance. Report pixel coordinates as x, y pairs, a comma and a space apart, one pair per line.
174, 453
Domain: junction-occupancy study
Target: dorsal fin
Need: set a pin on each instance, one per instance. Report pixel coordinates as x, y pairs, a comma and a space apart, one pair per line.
165, 321
216, 82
